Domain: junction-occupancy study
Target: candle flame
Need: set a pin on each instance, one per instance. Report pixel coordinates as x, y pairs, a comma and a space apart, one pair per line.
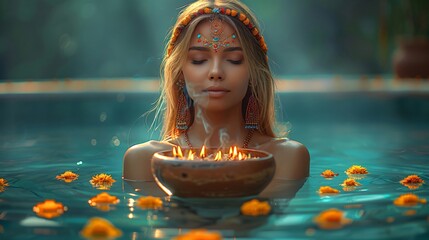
203, 152
177, 152
233, 154
191, 155
218, 156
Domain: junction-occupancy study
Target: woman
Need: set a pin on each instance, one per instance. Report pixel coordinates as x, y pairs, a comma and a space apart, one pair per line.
218, 91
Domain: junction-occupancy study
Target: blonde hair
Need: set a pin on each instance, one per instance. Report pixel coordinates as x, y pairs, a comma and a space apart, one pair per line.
261, 82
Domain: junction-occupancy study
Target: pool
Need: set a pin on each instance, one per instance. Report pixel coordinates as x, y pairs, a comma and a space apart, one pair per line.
43, 135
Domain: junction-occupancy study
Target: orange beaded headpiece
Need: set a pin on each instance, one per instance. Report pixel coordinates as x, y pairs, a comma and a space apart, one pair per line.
224, 11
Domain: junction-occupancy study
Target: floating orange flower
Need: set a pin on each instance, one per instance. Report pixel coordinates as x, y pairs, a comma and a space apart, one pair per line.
331, 219
49, 209
100, 228
3, 184
357, 169
412, 181
255, 207
149, 202
103, 201
328, 174
356, 172
327, 190
199, 234
408, 200
350, 182
102, 181
67, 176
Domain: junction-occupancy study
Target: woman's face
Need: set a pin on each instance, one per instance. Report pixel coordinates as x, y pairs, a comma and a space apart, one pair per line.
216, 72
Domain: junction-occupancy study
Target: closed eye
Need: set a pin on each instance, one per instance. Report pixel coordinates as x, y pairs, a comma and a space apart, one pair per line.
238, 62
197, 62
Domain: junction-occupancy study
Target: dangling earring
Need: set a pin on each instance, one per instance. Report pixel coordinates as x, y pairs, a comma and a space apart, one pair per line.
251, 117
184, 108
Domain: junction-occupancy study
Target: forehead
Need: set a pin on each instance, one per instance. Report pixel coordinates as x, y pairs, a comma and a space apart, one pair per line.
206, 28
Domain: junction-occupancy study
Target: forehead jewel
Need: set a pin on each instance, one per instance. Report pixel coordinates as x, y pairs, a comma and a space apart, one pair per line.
223, 11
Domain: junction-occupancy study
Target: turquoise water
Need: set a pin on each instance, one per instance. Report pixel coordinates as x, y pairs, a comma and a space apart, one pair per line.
386, 133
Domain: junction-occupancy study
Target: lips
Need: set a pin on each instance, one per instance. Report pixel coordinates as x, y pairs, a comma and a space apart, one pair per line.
216, 91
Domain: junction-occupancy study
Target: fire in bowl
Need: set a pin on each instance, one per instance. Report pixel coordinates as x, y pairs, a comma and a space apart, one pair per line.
212, 173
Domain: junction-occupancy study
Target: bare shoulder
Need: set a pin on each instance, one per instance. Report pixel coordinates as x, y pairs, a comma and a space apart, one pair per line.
292, 158
136, 162
296, 150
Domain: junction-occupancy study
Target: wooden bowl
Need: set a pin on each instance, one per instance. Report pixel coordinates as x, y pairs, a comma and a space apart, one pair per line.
213, 179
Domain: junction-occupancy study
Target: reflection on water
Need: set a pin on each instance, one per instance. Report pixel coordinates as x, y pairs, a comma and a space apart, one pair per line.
30, 163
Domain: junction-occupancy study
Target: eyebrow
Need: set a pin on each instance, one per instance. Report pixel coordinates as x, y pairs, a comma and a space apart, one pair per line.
206, 49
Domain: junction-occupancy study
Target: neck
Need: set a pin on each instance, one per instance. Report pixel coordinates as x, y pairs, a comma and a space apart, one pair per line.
216, 129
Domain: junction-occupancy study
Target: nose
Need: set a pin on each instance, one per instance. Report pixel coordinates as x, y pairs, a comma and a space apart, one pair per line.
216, 72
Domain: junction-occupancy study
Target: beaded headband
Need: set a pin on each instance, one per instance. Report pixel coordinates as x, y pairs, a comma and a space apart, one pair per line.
224, 11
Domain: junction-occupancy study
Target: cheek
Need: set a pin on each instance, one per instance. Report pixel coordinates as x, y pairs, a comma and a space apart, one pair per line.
192, 73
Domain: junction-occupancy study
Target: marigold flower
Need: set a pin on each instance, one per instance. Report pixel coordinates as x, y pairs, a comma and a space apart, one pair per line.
255, 208
102, 181
103, 201
328, 173
356, 169
67, 176
100, 228
199, 234
149, 202
350, 182
327, 189
412, 181
3, 184
49, 209
331, 219
408, 200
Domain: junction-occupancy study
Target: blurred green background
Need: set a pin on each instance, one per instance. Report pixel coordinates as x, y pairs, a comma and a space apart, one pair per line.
55, 39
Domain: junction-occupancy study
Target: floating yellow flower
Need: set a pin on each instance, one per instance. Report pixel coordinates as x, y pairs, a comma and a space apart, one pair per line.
103, 201
357, 169
49, 209
199, 234
331, 219
100, 228
67, 176
412, 181
102, 181
328, 190
255, 207
3, 184
149, 202
408, 200
328, 174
